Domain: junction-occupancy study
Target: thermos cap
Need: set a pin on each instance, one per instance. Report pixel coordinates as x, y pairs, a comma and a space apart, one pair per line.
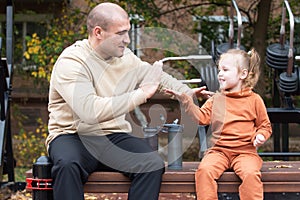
43, 160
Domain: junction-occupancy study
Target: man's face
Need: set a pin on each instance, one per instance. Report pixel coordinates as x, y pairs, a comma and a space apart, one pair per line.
115, 39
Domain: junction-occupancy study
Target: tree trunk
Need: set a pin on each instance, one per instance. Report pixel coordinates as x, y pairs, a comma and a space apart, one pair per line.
259, 39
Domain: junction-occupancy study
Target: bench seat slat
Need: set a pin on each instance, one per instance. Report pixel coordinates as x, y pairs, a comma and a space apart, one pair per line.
266, 176
282, 186
188, 187
119, 187
276, 176
117, 177
190, 177
268, 186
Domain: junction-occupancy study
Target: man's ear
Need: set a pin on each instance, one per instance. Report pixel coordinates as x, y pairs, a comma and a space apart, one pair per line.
244, 74
98, 31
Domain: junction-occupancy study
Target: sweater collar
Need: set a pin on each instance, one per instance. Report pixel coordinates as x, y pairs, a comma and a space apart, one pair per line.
242, 93
88, 45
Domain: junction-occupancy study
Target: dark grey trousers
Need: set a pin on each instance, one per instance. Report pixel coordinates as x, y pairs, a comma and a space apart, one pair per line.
76, 157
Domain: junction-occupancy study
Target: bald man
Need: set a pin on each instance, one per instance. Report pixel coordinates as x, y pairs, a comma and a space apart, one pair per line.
94, 83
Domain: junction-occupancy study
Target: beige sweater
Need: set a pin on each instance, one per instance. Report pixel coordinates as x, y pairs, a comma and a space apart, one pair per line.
91, 96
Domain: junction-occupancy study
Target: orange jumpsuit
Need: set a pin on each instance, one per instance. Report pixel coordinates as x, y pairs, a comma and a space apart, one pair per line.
235, 119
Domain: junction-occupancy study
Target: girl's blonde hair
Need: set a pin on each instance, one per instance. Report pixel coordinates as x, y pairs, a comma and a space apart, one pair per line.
249, 61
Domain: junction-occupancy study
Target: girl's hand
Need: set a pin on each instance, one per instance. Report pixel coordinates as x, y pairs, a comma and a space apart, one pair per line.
178, 95
259, 140
187, 102
185, 99
201, 92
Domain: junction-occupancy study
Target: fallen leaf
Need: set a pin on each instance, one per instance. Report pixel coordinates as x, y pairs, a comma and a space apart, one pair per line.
283, 166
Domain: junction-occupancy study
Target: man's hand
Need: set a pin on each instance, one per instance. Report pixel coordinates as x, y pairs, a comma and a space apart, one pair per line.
259, 140
152, 79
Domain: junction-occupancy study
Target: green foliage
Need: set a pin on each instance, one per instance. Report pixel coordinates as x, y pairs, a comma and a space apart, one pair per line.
42, 53
62, 31
28, 146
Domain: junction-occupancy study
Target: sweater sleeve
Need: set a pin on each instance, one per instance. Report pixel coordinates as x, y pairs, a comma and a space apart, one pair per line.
200, 115
262, 121
75, 86
167, 81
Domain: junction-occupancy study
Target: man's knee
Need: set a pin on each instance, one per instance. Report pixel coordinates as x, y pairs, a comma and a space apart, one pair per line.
156, 163
65, 166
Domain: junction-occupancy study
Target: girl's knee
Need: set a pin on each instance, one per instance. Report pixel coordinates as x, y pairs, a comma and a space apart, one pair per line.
251, 175
208, 173
202, 171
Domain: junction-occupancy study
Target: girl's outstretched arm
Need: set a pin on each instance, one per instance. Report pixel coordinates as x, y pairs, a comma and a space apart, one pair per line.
187, 102
201, 92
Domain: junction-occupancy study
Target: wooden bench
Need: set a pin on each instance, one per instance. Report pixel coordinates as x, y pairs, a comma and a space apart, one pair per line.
283, 176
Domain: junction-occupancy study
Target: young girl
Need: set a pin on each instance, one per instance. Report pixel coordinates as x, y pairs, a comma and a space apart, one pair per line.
239, 123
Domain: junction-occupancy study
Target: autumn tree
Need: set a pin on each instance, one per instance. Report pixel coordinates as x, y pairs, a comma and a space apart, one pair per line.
260, 28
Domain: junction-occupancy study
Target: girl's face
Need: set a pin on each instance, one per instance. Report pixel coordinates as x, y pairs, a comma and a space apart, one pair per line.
229, 76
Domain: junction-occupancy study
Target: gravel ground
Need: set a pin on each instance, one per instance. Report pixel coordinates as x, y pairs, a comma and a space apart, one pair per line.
115, 196
6, 195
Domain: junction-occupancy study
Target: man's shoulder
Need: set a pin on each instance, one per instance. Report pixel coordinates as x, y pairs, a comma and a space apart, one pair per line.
131, 59
77, 50
128, 53
79, 44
